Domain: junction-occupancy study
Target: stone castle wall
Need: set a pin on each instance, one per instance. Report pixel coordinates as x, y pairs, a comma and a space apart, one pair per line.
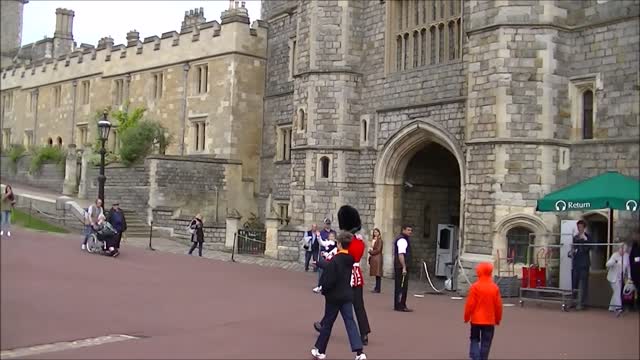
49, 176
230, 106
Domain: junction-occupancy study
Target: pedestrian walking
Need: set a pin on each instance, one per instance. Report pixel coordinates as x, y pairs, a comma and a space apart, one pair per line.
618, 271
116, 218
375, 259
7, 204
91, 220
401, 261
338, 293
196, 228
580, 263
311, 245
634, 260
484, 310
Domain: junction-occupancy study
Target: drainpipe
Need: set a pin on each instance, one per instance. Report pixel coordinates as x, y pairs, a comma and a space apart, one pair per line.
185, 74
73, 112
35, 122
126, 98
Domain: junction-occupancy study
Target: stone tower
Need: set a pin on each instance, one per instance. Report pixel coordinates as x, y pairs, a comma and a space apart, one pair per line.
11, 30
63, 36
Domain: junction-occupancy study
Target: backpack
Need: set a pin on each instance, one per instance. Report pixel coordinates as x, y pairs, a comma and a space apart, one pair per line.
191, 229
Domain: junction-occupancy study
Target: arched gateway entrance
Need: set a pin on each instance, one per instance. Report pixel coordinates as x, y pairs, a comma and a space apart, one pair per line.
419, 180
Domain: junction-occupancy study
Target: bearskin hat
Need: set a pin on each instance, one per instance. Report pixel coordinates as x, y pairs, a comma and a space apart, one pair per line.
349, 219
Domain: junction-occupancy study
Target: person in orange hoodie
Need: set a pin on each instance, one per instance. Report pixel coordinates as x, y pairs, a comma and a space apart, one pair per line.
484, 310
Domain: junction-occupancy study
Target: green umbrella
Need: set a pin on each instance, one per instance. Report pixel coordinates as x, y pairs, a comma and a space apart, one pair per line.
610, 190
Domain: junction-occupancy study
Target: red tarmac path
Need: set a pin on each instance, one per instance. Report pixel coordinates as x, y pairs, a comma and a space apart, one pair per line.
187, 307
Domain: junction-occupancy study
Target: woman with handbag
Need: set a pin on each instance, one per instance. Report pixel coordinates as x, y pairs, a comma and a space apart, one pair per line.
6, 205
375, 259
197, 234
618, 266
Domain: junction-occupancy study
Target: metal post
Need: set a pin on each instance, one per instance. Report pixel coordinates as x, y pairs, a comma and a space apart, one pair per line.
233, 248
101, 177
30, 209
151, 235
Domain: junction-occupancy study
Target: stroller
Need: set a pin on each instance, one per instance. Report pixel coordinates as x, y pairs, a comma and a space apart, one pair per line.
101, 239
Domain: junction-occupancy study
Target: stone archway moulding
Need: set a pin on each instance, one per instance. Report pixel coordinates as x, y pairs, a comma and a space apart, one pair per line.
509, 222
389, 173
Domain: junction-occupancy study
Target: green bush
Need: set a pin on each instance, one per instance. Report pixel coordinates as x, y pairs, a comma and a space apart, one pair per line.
109, 158
14, 152
47, 154
139, 140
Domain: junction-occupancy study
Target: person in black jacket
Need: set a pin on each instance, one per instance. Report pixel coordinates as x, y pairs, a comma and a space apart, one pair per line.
634, 258
197, 237
338, 293
116, 218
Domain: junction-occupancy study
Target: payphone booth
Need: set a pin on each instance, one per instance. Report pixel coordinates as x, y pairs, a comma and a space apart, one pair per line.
446, 251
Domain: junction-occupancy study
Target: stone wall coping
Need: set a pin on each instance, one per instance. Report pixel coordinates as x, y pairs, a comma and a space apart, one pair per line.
450, 100
202, 159
557, 142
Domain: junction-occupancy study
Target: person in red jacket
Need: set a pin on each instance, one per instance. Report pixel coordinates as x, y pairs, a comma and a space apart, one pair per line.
484, 310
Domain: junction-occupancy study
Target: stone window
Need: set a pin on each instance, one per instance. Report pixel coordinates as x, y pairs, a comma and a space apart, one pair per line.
587, 114
7, 101
582, 93
518, 243
199, 128
283, 212
324, 167
158, 82
425, 32
33, 101
283, 150
86, 92
28, 139
293, 49
118, 92
59, 142
6, 138
201, 80
49, 142
364, 130
302, 120
57, 96
83, 134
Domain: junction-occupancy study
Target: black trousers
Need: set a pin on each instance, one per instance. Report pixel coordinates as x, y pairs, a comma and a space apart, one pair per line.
361, 312
580, 280
401, 289
481, 338
118, 238
308, 255
378, 283
193, 247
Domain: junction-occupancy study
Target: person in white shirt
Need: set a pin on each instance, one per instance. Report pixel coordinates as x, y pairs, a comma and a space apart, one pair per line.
401, 262
618, 266
91, 220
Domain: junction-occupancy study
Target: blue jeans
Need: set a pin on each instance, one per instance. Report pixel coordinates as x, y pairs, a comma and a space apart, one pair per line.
6, 220
321, 264
481, 337
330, 315
88, 229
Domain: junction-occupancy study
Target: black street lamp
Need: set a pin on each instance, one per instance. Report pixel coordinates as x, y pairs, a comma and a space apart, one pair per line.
104, 126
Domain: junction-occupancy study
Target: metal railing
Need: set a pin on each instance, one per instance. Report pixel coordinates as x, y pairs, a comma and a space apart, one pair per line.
32, 209
250, 242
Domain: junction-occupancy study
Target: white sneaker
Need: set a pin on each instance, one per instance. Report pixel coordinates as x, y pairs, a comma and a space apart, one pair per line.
316, 354
361, 357
1, 232
84, 246
9, 233
317, 289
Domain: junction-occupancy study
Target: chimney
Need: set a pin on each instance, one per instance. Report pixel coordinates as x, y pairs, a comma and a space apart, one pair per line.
133, 37
64, 24
105, 42
235, 13
192, 18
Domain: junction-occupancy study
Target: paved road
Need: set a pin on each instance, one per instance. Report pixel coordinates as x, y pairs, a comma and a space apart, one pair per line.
188, 307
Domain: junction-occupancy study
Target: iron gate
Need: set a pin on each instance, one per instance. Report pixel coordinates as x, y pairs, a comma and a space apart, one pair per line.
251, 242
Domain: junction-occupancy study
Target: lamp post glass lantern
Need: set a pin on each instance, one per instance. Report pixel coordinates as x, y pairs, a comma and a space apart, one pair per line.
104, 126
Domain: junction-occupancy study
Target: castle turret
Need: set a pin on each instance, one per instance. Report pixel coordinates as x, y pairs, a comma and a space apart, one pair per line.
11, 27
133, 37
192, 18
235, 13
105, 42
63, 36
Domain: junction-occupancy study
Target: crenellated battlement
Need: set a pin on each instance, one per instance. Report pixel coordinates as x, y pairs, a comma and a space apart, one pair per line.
192, 43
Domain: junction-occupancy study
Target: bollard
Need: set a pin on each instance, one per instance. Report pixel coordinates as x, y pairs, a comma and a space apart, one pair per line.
151, 235
30, 210
233, 247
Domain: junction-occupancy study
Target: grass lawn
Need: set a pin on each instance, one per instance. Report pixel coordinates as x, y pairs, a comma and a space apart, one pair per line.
23, 219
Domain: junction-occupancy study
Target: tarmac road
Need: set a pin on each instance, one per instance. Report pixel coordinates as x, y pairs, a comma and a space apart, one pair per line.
188, 307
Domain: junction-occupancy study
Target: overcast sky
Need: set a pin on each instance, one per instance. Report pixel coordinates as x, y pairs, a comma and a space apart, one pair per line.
96, 19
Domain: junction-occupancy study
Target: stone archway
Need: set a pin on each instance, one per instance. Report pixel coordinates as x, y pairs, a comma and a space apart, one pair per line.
390, 172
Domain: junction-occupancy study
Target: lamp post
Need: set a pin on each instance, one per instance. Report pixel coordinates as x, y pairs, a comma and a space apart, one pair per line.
104, 126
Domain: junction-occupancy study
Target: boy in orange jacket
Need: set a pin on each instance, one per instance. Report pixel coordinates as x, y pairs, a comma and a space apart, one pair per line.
484, 309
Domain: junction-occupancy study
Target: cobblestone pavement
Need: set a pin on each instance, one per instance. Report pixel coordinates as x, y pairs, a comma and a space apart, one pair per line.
56, 297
